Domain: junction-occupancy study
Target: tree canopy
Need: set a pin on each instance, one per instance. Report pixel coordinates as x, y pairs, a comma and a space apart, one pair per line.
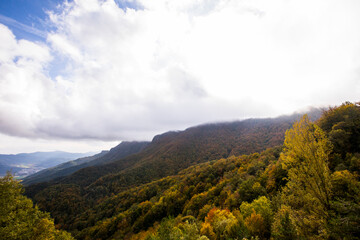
307, 188
19, 219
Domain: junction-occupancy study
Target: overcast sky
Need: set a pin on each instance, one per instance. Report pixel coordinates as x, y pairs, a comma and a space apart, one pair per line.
84, 75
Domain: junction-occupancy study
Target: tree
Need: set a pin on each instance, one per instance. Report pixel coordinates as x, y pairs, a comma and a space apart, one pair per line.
258, 216
220, 224
342, 124
255, 224
19, 219
207, 230
283, 227
308, 191
345, 219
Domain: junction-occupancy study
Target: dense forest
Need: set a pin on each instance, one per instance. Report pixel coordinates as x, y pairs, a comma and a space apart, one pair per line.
166, 155
304, 185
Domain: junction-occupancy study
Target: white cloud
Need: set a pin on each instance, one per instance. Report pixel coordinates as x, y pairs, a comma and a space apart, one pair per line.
12, 144
23, 84
125, 74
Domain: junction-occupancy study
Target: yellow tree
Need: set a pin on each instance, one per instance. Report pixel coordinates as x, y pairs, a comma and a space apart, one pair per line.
308, 191
258, 216
19, 219
220, 224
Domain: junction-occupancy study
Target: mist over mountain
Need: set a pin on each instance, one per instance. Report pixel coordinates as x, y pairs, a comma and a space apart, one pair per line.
177, 108
171, 151
257, 176
166, 155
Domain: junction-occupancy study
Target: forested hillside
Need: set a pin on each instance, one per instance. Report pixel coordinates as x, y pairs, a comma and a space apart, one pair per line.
166, 155
306, 189
59, 170
122, 150
283, 193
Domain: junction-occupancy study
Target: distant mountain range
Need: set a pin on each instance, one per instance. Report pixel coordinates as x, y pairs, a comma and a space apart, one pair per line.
24, 164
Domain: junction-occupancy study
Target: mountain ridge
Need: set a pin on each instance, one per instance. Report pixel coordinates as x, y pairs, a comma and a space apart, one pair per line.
121, 150
166, 155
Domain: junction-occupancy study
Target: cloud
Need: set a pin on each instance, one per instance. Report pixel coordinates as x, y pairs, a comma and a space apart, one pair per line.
111, 73
23, 84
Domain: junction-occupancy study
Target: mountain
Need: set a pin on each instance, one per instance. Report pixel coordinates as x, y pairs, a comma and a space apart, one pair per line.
59, 170
172, 151
189, 196
306, 188
122, 150
166, 155
23, 164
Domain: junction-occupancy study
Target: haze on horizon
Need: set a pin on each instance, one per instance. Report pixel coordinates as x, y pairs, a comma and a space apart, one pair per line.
84, 75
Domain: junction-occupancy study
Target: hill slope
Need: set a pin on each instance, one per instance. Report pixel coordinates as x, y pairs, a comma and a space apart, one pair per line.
307, 189
59, 170
122, 150
166, 155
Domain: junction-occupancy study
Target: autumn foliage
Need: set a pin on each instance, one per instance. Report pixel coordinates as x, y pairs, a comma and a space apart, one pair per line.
307, 188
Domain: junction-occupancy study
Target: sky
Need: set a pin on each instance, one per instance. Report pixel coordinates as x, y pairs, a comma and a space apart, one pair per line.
84, 75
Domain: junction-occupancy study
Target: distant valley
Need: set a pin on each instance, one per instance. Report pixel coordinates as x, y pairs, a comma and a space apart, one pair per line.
122, 150
24, 164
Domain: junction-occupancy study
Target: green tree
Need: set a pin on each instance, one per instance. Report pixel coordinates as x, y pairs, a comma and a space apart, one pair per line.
342, 124
308, 191
185, 231
19, 219
283, 227
345, 220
